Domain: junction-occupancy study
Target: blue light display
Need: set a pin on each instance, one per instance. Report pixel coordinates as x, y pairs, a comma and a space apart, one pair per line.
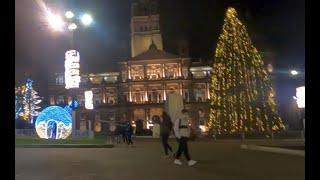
54, 122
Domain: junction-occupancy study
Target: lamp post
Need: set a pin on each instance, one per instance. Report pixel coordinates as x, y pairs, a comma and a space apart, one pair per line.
72, 56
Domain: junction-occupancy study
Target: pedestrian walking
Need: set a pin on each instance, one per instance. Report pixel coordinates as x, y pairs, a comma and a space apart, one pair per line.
165, 130
182, 132
122, 132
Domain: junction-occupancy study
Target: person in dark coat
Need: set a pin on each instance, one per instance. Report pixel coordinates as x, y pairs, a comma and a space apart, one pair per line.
165, 130
128, 133
121, 131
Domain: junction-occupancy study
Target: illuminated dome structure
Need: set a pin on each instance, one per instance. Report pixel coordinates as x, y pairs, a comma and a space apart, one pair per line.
54, 122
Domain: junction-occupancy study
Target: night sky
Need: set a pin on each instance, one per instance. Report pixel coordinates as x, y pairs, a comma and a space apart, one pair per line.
278, 24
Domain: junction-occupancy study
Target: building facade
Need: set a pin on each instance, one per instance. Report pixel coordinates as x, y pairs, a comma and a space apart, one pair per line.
138, 90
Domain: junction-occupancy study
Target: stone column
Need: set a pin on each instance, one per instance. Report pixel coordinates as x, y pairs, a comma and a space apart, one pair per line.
145, 72
103, 95
163, 73
208, 90
179, 66
129, 71
146, 94
130, 94
164, 92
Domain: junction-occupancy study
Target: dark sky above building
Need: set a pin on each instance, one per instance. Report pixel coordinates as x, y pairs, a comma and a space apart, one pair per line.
274, 24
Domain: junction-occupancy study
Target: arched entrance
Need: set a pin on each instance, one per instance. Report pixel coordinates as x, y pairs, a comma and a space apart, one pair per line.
52, 129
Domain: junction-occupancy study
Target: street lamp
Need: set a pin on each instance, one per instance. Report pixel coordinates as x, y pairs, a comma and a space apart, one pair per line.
294, 72
72, 27
72, 57
86, 19
69, 14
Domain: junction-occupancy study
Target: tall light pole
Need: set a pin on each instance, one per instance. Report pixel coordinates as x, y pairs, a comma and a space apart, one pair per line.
67, 22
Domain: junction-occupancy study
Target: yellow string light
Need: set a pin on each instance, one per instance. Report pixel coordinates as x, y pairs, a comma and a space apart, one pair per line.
242, 96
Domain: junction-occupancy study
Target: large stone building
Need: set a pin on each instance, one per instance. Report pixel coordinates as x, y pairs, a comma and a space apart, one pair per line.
139, 89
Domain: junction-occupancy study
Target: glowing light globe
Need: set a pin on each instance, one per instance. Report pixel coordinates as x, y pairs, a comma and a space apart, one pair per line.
54, 122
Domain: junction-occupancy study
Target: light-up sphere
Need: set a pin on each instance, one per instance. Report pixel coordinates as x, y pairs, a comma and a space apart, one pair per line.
54, 122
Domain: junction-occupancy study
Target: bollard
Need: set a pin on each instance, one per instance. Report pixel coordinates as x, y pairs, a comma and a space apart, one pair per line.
90, 131
214, 136
272, 136
243, 136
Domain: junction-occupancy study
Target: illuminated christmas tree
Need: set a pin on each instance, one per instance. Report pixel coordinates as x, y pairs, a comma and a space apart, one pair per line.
242, 98
30, 102
18, 102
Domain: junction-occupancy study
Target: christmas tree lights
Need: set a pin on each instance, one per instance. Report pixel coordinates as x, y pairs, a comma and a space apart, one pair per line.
30, 102
242, 96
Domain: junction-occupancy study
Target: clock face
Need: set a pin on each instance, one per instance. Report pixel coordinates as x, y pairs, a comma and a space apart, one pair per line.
54, 122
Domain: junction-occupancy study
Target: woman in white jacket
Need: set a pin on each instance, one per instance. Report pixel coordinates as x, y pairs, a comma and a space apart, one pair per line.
182, 132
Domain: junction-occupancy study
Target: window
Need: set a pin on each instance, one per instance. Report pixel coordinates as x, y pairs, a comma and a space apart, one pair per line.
186, 96
52, 100
136, 28
149, 98
200, 94
201, 117
60, 79
110, 79
60, 100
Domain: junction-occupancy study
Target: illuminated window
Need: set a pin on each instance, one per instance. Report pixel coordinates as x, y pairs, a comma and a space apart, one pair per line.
200, 95
52, 100
137, 72
186, 96
88, 99
60, 79
154, 71
60, 100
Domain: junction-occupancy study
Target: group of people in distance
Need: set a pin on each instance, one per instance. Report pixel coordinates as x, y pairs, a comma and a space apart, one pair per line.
182, 133
180, 128
123, 129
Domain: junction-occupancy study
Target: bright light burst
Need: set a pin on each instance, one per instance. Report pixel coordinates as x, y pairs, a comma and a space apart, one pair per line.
294, 72
72, 26
86, 19
55, 21
69, 14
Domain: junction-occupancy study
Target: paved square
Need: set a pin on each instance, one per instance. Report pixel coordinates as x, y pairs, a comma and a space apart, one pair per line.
220, 160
